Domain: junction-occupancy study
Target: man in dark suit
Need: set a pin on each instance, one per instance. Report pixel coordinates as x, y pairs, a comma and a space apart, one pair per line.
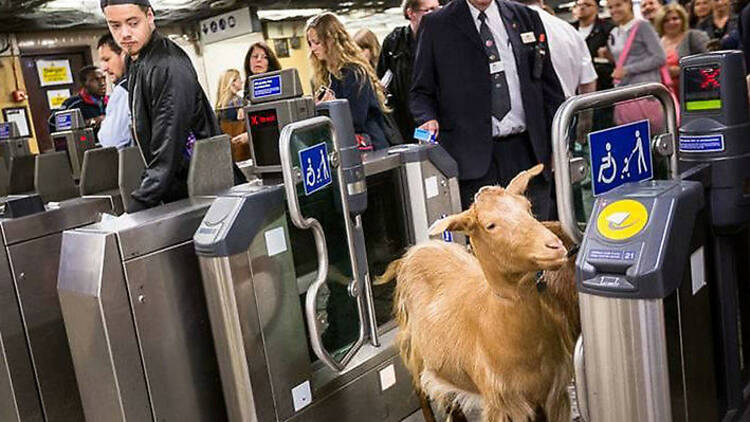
484, 81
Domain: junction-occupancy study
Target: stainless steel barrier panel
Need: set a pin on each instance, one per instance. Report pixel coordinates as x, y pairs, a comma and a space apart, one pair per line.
565, 166
291, 148
37, 379
135, 314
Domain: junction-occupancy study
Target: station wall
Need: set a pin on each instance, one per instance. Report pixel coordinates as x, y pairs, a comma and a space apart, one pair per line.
11, 79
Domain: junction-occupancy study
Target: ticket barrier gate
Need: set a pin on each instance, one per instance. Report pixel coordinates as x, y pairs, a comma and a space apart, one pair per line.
713, 136
72, 135
268, 281
12, 144
134, 309
37, 381
275, 100
658, 282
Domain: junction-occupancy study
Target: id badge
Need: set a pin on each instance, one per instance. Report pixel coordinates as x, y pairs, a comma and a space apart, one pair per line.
528, 37
496, 67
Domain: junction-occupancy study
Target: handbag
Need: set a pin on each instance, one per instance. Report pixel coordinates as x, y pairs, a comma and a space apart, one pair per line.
643, 108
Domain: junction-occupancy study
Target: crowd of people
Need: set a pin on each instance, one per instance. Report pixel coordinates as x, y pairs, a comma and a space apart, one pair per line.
484, 77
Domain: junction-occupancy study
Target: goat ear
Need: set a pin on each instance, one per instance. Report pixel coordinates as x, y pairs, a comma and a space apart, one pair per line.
519, 183
463, 223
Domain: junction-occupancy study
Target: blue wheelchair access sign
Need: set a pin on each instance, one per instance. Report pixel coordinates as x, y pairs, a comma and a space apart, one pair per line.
316, 169
620, 155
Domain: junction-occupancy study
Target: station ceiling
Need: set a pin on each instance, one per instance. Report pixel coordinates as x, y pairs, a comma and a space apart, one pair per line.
35, 15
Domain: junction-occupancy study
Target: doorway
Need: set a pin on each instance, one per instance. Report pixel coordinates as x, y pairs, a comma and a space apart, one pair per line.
40, 97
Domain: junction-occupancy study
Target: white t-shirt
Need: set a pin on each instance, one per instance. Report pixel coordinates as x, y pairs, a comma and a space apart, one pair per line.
585, 30
568, 51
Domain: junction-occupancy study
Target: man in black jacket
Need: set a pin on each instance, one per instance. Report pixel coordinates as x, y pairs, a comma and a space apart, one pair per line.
397, 56
483, 78
596, 33
168, 106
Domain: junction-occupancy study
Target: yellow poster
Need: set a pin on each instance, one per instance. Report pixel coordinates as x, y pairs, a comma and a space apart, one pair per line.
55, 97
54, 72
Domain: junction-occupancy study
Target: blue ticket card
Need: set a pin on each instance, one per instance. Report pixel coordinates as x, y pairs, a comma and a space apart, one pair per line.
423, 135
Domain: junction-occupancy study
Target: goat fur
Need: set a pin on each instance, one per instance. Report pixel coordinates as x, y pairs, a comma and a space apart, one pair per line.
464, 344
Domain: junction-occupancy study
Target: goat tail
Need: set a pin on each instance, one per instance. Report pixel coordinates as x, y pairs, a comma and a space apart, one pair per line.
410, 355
390, 273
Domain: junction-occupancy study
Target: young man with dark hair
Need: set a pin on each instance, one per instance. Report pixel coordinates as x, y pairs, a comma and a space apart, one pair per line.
397, 56
115, 130
91, 99
168, 106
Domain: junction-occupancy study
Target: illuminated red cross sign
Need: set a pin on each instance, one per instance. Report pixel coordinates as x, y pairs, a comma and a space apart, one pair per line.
710, 78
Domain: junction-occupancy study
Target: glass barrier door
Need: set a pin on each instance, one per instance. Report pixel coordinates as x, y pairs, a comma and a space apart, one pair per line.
332, 284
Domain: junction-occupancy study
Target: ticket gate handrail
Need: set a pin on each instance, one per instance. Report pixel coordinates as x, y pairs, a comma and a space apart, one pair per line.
561, 142
310, 223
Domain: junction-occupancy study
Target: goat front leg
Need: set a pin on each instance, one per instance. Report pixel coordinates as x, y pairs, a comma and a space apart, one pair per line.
427, 413
557, 408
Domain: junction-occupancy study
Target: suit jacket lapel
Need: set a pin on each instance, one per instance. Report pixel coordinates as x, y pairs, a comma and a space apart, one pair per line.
465, 23
514, 36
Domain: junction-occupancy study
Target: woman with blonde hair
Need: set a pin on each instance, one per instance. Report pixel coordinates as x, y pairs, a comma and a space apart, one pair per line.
368, 42
677, 39
228, 101
230, 114
341, 71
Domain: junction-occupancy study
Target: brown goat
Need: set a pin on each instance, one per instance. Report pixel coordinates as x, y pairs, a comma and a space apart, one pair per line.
478, 330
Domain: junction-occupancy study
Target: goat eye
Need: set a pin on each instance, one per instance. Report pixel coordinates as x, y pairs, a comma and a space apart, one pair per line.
490, 226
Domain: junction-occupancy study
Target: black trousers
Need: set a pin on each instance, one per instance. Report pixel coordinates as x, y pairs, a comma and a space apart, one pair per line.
510, 156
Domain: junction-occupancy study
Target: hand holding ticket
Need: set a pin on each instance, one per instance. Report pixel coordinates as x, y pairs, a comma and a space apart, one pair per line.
427, 133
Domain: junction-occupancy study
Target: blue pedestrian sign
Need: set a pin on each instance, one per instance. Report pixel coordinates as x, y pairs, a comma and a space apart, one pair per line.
316, 168
620, 155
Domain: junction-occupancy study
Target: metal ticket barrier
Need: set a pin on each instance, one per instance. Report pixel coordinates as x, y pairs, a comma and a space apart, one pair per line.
12, 144
276, 100
37, 379
611, 152
72, 135
134, 309
661, 272
299, 330
713, 145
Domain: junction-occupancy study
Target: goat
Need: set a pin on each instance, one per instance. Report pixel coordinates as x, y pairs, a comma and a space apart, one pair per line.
478, 331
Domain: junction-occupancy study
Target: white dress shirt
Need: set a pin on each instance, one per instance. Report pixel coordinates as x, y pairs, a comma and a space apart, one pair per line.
515, 121
115, 128
568, 51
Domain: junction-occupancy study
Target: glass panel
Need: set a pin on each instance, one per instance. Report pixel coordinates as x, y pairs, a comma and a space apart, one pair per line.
337, 310
600, 118
386, 236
